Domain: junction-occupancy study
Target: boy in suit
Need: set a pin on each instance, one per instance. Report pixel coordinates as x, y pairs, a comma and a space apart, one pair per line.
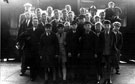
49, 48
98, 30
72, 48
119, 42
108, 49
87, 53
61, 35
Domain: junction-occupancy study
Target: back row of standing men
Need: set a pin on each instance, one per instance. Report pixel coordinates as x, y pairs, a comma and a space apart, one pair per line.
63, 42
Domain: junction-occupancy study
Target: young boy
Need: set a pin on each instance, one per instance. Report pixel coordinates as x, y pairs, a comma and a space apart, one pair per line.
49, 47
98, 30
119, 42
87, 53
72, 48
61, 35
108, 49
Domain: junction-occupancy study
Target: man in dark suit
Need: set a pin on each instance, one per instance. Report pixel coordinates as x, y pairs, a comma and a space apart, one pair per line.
108, 49
87, 53
72, 48
27, 23
49, 48
119, 42
31, 38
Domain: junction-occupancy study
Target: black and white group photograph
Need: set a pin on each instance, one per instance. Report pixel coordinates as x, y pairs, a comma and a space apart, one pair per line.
67, 41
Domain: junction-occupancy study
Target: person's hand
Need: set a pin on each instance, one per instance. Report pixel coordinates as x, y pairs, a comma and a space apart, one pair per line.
17, 46
95, 55
69, 54
40, 57
56, 55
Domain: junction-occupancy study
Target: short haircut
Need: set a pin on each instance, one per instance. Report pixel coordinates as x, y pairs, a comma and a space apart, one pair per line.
60, 25
74, 22
81, 17
85, 23
96, 16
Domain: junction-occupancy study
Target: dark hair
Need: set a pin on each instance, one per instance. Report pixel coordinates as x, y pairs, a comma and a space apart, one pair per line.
85, 23
60, 25
74, 22
81, 17
48, 25
107, 22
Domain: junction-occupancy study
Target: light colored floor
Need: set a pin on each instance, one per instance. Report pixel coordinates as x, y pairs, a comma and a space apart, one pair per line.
9, 74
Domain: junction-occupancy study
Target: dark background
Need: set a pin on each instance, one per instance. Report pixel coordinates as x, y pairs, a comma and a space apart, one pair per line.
10, 16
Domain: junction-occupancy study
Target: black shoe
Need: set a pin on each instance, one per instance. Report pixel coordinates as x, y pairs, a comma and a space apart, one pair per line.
117, 72
109, 81
98, 82
21, 74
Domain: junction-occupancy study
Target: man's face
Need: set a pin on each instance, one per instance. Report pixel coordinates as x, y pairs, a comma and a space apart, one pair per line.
111, 5
68, 8
50, 11
87, 27
35, 22
107, 27
38, 14
44, 17
102, 15
82, 11
82, 20
74, 26
97, 19
70, 15
28, 15
61, 30
27, 8
116, 28
48, 29
98, 27
56, 14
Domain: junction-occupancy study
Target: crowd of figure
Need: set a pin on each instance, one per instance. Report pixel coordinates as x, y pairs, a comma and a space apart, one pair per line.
57, 44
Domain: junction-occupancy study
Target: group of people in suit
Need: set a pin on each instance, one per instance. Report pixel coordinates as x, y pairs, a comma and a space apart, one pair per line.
58, 44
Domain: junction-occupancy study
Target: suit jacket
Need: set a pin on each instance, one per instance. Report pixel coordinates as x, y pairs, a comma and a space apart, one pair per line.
49, 47
80, 29
31, 39
54, 25
113, 49
24, 26
97, 43
72, 41
87, 43
110, 13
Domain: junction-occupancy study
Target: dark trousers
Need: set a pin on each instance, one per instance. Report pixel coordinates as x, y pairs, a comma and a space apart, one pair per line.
34, 64
99, 64
25, 54
72, 65
117, 59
